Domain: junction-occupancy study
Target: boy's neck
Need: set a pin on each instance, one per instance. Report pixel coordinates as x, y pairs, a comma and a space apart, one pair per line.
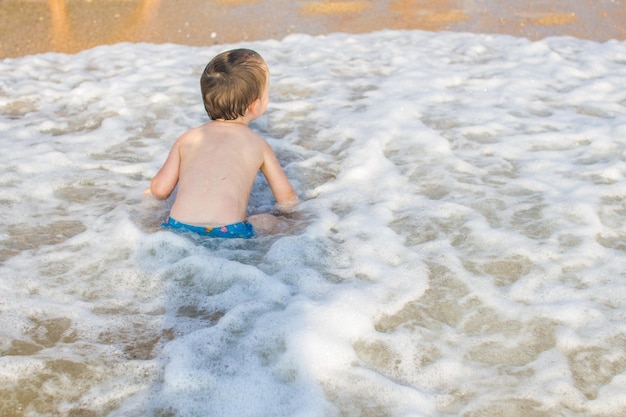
237, 121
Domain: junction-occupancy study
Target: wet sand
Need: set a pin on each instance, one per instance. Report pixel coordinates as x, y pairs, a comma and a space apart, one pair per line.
35, 26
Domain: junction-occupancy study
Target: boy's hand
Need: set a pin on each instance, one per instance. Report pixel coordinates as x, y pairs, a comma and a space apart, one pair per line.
287, 206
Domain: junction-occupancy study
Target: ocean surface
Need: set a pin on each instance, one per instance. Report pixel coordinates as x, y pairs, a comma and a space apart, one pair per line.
460, 249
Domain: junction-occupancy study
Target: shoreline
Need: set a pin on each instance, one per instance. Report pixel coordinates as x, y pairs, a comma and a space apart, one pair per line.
69, 26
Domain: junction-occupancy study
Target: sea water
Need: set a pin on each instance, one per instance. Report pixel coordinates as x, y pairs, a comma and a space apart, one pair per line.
460, 248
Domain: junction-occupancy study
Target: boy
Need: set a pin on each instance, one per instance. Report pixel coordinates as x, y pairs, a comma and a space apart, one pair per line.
215, 164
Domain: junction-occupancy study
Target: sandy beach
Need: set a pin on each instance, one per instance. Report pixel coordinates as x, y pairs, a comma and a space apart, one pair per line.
36, 26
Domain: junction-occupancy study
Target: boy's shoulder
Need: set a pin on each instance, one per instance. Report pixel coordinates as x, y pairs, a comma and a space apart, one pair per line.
212, 130
205, 130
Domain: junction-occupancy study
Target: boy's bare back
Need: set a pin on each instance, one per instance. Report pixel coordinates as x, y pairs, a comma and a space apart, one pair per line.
215, 166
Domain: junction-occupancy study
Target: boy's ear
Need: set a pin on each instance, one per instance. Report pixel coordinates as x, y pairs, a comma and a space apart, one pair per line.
252, 107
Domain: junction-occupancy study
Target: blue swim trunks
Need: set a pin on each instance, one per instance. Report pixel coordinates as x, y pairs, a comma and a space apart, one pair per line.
236, 230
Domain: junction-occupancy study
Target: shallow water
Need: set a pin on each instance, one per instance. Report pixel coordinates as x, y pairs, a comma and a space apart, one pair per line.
460, 249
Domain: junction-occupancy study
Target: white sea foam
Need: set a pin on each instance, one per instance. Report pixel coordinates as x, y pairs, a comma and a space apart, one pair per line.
460, 249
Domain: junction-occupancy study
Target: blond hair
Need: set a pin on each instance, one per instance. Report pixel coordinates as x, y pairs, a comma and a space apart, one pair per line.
231, 82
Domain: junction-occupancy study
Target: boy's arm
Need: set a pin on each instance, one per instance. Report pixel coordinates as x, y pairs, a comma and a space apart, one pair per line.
277, 179
166, 179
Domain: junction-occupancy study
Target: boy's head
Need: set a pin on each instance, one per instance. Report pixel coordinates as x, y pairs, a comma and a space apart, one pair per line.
231, 82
